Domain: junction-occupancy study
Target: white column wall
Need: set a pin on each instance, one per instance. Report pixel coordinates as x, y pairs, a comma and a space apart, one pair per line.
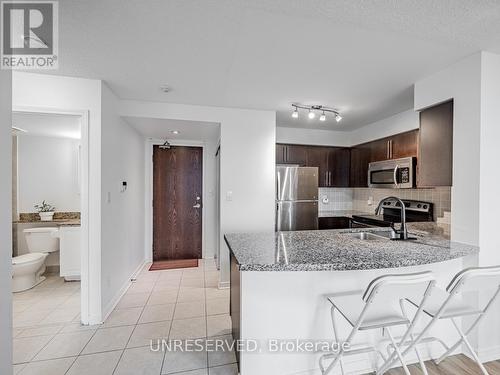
5, 223
122, 231
488, 343
42, 92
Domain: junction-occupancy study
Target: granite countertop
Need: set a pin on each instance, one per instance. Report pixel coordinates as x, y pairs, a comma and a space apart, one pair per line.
336, 250
57, 222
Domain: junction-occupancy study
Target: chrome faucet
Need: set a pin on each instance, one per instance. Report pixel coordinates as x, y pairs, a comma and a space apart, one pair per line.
403, 231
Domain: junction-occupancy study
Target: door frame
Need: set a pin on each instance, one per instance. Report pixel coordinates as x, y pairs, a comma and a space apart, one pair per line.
90, 293
148, 202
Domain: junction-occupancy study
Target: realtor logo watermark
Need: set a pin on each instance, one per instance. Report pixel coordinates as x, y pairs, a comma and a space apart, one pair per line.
29, 37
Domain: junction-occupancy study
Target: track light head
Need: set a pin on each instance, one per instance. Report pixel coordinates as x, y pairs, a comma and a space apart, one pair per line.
322, 117
311, 114
295, 113
338, 117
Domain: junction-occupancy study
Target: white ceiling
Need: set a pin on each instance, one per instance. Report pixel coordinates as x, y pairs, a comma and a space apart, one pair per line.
358, 56
47, 125
162, 129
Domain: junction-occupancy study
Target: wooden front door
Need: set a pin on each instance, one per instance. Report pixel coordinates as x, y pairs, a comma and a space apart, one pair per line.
177, 204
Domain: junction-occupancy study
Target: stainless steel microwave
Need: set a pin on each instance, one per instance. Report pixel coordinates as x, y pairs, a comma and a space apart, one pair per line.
393, 174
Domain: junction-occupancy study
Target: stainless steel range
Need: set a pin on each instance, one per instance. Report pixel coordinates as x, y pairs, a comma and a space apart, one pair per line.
416, 211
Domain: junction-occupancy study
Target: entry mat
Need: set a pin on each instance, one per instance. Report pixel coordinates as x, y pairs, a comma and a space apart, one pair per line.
173, 264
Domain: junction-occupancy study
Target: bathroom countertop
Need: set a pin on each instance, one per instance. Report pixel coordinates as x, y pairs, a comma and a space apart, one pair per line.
57, 222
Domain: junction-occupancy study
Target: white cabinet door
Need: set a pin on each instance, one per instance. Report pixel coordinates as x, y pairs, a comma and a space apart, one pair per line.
70, 252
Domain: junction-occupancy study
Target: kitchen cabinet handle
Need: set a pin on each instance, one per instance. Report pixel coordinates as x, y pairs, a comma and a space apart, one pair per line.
387, 150
391, 144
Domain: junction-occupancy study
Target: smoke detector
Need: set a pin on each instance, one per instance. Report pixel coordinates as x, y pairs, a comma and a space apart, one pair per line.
165, 88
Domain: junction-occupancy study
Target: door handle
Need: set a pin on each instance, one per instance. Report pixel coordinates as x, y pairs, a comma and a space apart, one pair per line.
396, 176
197, 205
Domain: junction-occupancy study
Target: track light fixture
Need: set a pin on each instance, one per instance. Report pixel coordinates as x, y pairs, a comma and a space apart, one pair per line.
312, 111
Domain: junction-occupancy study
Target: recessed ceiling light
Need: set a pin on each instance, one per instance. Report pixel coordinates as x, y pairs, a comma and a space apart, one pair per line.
175, 132
165, 88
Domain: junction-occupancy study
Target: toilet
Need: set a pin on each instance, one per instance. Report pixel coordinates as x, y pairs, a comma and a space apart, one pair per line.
27, 269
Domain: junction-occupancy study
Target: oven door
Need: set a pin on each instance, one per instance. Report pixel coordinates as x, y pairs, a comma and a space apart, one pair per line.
392, 174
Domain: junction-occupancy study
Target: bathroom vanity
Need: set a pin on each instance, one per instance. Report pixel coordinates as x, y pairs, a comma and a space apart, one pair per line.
69, 252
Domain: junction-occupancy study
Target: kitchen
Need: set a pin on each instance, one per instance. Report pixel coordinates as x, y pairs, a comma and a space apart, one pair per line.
346, 216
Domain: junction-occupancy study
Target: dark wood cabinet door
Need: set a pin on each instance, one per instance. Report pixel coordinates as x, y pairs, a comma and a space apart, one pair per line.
296, 154
379, 150
318, 157
360, 158
280, 153
404, 145
177, 204
339, 162
435, 157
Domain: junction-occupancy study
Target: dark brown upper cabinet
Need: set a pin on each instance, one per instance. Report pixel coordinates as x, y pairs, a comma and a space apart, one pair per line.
404, 145
339, 163
318, 157
395, 147
333, 165
291, 154
435, 156
360, 158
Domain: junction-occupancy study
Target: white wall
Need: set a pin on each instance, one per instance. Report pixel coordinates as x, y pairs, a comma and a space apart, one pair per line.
489, 344
248, 140
48, 170
209, 199
462, 82
399, 123
45, 93
5, 224
313, 137
122, 229
474, 84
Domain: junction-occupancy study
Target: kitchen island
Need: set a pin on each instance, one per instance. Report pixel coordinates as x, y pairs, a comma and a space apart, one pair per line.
279, 282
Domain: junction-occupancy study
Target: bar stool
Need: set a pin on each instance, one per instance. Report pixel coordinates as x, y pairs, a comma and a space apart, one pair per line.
377, 308
449, 304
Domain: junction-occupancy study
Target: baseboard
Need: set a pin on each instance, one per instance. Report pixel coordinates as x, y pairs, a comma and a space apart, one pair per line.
488, 354
224, 284
118, 296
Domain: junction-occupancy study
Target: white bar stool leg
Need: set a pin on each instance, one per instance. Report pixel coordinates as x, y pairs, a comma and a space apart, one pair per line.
334, 325
469, 346
398, 352
412, 336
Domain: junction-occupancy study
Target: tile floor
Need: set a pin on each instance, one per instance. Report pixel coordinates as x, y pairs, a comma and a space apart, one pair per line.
173, 304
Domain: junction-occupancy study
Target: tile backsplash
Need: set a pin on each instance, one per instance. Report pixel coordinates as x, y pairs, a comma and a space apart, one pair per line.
331, 199
357, 198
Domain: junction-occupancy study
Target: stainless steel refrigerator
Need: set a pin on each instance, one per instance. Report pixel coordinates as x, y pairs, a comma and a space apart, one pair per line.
296, 198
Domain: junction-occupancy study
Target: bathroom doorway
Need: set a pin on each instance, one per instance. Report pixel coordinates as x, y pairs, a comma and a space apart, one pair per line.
50, 223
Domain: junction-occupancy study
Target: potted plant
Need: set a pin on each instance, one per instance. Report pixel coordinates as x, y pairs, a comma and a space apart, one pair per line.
45, 210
